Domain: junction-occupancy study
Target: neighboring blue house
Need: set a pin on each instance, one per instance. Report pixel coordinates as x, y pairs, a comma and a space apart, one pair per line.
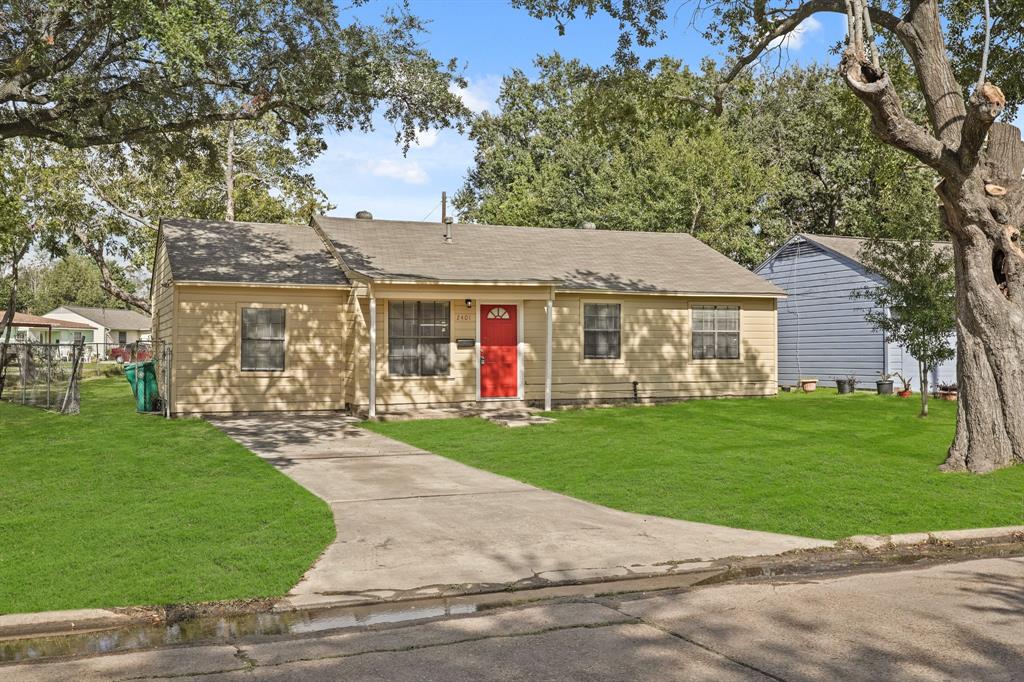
822, 330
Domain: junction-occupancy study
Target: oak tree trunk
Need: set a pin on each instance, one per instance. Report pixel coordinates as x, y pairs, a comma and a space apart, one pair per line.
983, 212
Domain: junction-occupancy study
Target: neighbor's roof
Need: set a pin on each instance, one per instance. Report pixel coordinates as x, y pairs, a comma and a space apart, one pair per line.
26, 320
247, 253
111, 318
656, 262
850, 247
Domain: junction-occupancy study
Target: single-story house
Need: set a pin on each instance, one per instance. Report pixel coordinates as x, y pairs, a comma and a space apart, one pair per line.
822, 329
370, 315
37, 329
112, 327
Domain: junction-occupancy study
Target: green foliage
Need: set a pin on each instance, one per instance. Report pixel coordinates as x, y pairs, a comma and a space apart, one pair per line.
915, 304
740, 26
72, 280
113, 508
88, 73
628, 149
816, 465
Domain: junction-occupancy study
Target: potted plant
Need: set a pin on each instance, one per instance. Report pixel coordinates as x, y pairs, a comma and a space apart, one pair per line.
809, 385
884, 384
947, 391
905, 392
846, 384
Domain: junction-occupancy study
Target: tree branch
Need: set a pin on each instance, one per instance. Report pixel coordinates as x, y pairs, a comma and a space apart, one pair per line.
984, 107
888, 119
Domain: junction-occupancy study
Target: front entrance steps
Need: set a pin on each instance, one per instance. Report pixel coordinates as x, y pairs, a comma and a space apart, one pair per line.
510, 413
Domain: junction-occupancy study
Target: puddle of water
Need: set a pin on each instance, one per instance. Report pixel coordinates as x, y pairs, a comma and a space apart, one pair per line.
220, 629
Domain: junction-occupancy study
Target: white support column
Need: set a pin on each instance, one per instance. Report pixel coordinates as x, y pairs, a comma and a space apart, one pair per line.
373, 353
547, 350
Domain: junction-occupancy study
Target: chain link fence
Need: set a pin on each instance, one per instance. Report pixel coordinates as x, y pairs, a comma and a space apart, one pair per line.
48, 375
44, 375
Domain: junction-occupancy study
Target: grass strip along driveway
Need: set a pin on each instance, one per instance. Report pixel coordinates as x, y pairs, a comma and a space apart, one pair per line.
816, 465
112, 508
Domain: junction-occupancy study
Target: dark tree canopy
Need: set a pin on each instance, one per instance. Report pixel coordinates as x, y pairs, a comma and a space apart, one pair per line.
90, 73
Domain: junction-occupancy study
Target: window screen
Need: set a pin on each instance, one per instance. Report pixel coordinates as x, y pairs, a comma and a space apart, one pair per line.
122, 338
601, 337
263, 339
716, 332
418, 338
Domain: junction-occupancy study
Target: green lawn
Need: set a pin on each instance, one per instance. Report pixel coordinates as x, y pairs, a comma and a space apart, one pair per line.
112, 508
817, 465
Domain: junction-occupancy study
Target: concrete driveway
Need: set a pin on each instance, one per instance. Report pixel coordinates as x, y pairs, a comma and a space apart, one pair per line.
412, 523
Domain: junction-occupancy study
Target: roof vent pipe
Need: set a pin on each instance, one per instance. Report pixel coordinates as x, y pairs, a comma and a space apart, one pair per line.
587, 225
364, 215
448, 230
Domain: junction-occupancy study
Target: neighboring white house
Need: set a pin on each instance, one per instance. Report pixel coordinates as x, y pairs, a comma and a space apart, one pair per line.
35, 329
112, 328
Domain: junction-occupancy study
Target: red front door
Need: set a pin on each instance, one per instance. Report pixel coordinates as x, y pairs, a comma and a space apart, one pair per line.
499, 356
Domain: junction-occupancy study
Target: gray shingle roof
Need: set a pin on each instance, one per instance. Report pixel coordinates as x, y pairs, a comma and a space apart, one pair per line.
250, 253
112, 318
850, 247
576, 259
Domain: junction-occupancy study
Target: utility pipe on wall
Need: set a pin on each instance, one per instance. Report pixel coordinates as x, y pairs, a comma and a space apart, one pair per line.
547, 351
373, 353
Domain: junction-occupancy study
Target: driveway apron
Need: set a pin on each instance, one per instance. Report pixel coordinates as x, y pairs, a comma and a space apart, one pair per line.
412, 523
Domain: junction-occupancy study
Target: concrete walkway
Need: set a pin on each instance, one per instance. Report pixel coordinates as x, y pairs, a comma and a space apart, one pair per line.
411, 523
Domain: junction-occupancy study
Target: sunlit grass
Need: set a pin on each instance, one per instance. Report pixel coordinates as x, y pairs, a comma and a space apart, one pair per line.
114, 508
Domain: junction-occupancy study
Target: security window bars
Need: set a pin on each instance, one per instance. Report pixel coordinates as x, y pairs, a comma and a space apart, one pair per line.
263, 339
418, 338
601, 334
716, 332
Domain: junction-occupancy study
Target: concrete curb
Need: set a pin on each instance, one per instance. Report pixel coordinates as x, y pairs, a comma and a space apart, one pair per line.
76, 620
971, 536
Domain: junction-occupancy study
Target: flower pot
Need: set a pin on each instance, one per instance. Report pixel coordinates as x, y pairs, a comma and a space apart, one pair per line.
808, 385
884, 387
947, 395
905, 394
845, 386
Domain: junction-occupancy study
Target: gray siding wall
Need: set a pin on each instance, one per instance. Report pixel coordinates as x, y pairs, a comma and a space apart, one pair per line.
822, 330
900, 360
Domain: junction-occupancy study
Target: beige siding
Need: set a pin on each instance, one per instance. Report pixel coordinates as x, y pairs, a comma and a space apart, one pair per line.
655, 352
458, 387
207, 350
163, 297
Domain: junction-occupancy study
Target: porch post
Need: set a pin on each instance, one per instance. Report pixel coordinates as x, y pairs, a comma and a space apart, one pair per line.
373, 353
547, 351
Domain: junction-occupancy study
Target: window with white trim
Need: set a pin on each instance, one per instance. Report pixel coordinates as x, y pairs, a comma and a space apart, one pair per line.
262, 339
601, 333
716, 332
418, 338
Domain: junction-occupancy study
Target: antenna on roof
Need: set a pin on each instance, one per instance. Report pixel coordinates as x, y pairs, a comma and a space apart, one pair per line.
444, 207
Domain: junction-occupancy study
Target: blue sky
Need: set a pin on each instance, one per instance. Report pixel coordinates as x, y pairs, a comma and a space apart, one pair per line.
490, 39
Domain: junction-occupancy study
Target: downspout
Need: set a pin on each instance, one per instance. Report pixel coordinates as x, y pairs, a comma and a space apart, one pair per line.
547, 349
373, 353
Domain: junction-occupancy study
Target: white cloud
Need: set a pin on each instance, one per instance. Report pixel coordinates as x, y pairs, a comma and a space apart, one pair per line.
481, 93
794, 40
426, 138
404, 170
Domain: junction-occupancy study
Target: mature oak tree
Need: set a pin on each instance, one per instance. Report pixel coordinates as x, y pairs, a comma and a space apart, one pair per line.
979, 161
90, 73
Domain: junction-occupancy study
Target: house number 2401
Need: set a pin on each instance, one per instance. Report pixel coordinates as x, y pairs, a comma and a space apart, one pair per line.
463, 317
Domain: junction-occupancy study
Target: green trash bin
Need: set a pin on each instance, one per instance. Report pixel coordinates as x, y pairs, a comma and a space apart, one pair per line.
142, 377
